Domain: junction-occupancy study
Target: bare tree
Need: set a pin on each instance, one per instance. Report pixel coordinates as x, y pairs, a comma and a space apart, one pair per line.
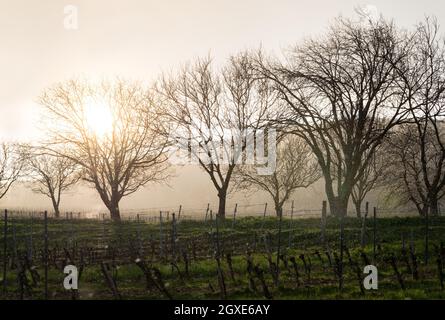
11, 165
423, 179
406, 178
373, 177
51, 176
112, 131
211, 111
296, 168
344, 94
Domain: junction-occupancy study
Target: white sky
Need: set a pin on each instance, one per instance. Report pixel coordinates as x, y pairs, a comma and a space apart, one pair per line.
137, 39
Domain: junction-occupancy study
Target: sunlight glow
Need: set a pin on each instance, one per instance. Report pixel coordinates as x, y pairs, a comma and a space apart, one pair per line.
98, 117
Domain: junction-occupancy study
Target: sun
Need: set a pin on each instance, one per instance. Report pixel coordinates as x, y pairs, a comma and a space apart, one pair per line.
98, 117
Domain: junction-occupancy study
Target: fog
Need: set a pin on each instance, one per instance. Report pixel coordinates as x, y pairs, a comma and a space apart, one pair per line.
190, 187
138, 40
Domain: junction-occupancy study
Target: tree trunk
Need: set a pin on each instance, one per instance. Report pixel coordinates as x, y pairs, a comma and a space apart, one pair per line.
423, 210
278, 210
434, 208
339, 206
358, 208
56, 212
222, 195
55, 207
114, 210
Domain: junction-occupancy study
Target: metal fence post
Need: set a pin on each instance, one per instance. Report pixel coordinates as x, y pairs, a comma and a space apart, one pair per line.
207, 212
363, 230
279, 247
426, 236
292, 210
173, 237
374, 237
46, 252
234, 215
5, 249
264, 216
161, 243
342, 245
323, 222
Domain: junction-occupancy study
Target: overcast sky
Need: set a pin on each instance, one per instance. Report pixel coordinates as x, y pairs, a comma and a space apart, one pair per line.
139, 39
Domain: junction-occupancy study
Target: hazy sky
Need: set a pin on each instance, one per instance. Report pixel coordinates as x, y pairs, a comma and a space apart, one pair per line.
138, 40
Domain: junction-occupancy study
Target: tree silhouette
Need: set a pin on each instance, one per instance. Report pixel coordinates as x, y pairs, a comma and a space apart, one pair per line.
296, 168
116, 162
51, 176
344, 93
11, 165
211, 110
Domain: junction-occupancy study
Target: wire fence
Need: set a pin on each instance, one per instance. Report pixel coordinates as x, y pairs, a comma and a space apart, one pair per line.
154, 214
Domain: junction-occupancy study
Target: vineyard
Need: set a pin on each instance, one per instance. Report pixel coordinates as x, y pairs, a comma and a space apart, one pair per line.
261, 257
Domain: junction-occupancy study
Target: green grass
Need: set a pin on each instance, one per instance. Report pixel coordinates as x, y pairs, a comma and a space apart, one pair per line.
299, 236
